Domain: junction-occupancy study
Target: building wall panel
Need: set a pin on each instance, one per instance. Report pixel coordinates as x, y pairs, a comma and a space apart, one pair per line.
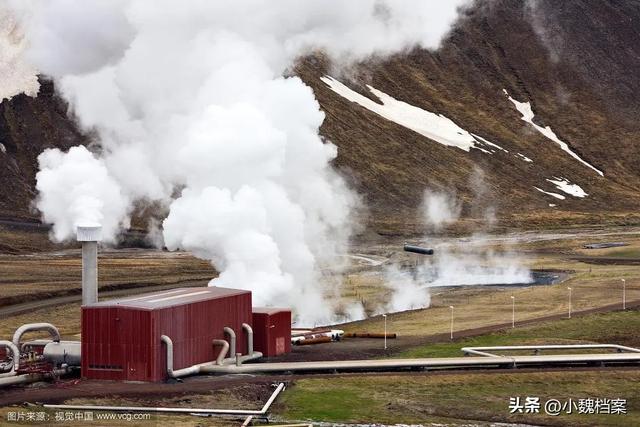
122, 342
272, 330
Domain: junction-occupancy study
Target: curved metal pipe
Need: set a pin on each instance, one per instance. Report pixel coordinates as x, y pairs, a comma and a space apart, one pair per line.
29, 327
249, 331
232, 339
16, 358
195, 369
223, 351
170, 371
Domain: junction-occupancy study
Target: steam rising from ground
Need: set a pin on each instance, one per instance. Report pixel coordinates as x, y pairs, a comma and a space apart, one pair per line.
439, 209
192, 111
456, 262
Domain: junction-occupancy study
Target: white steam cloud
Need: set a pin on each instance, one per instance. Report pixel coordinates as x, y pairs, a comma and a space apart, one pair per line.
76, 189
439, 209
192, 110
466, 262
16, 74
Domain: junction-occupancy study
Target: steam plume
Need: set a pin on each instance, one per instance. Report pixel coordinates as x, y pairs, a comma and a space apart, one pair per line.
18, 76
188, 98
455, 263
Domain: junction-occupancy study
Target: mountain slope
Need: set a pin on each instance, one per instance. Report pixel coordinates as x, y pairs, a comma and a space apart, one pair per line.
452, 120
492, 49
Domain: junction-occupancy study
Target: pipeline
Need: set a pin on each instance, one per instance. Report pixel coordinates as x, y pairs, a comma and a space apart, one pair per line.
63, 352
316, 340
15, 357
223, 351
32, 378
29, 327
418, 250
428, 363
232, 340
249, 331
369, 335
258, 412
203, 367
482, 351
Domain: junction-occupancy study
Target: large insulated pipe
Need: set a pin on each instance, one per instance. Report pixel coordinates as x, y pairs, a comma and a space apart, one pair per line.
418, 250
32, 378
29, 327
223, 351
249, 332
15, 355
195, 369
63, 353
180, 372
232, 340
89, 235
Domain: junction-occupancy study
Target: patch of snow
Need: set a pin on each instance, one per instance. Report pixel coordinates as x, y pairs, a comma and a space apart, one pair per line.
527, 115
556, 195
552, 205
523, 157
489, 143
565, 186
3, 148
434, 126
17, 75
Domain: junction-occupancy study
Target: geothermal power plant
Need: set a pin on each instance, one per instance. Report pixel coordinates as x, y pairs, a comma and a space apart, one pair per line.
176, 333
151, 337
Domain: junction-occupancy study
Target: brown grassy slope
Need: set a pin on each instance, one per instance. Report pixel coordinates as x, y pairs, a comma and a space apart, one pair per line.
577, 62
493, 48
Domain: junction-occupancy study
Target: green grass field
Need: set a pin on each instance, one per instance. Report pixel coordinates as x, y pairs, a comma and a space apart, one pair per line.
626, 253
479, 397
460, 398
605, 328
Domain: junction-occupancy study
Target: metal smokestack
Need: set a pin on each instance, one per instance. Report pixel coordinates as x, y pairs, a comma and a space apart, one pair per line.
89, 235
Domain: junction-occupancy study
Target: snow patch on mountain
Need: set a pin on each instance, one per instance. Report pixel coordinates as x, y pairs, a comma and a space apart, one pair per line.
567, 187
523, 157
434, 126
527, 115
556, 195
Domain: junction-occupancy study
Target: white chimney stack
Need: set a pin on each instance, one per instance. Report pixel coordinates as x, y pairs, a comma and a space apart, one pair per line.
89, 235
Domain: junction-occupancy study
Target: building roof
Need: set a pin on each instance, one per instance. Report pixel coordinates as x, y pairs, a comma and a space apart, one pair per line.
170, 298
269, 310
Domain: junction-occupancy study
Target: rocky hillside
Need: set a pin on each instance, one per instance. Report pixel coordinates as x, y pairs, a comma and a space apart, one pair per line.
28, 126
528, 113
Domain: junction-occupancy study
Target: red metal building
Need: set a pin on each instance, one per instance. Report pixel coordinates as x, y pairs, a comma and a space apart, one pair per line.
272, 330
121, 338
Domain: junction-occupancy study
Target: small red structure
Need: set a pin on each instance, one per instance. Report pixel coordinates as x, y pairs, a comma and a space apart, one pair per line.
121, 338
272, 330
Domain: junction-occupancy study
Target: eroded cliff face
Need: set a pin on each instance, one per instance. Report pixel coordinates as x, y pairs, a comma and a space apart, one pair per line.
571, 65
